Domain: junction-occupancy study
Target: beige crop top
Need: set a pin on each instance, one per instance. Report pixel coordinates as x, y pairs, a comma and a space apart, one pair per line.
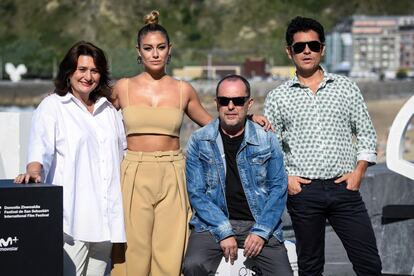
153, 120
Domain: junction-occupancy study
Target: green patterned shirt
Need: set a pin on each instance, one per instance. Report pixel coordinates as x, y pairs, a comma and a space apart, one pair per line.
322, 135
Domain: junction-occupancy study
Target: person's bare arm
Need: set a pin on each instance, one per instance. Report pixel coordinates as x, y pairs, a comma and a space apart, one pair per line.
117, 95
195, 111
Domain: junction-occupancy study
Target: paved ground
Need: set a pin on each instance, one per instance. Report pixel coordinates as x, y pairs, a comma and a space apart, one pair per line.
336, 260
337, 263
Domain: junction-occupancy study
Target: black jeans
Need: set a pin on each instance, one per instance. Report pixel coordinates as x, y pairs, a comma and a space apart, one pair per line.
344, 209
204, 254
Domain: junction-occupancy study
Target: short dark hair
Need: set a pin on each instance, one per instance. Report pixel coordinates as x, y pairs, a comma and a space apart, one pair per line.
151, 26
70, 62
234, 77
304, 24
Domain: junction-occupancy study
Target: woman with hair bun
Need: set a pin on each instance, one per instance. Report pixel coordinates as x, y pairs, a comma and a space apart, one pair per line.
156, 206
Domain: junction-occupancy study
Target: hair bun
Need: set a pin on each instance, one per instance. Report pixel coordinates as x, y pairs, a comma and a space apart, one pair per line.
152, 18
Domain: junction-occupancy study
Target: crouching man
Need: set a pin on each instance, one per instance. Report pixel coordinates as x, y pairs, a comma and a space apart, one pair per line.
237, 187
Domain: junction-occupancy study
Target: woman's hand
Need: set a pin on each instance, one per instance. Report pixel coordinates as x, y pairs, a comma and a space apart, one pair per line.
262, 121
29, 177
33, 174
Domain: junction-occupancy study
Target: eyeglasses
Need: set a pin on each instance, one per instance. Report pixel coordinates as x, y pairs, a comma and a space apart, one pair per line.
237, 101
314, 46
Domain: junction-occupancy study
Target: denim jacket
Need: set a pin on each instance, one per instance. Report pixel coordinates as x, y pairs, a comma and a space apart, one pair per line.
262, 174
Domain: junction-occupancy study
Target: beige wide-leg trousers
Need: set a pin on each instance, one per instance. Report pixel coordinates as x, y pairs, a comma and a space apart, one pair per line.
157, 213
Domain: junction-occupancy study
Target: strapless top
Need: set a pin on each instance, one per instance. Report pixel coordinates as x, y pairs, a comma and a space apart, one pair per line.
152, 120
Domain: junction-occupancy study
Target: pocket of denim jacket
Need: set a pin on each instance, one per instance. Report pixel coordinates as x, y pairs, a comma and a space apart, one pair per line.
258, 164
260, 158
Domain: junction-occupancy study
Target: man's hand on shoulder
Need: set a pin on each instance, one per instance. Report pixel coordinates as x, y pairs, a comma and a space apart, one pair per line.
253, 245
229, 247
294, 183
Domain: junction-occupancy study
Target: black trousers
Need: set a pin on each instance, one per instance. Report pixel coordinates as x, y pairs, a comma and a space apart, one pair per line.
204, 254
344, 209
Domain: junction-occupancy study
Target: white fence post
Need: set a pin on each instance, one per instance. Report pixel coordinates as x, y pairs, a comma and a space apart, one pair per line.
14, 140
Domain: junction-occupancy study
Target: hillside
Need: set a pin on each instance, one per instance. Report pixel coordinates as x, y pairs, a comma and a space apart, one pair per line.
39, 32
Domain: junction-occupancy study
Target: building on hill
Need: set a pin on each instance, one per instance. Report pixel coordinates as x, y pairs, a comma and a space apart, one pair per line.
406, 30
371, 46
375, 45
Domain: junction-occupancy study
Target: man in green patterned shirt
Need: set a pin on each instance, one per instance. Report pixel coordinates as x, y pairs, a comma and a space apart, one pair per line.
328, 142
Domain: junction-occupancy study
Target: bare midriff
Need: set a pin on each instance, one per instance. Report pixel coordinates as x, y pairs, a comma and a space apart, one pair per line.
151, 142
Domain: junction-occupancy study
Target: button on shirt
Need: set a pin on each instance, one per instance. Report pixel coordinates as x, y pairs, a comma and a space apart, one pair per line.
82, 151
322, 135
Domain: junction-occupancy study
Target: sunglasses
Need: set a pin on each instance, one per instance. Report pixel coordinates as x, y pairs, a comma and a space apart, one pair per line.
237, 101
314, 46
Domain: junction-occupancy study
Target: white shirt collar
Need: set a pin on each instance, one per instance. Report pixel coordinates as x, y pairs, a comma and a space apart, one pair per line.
70, 97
